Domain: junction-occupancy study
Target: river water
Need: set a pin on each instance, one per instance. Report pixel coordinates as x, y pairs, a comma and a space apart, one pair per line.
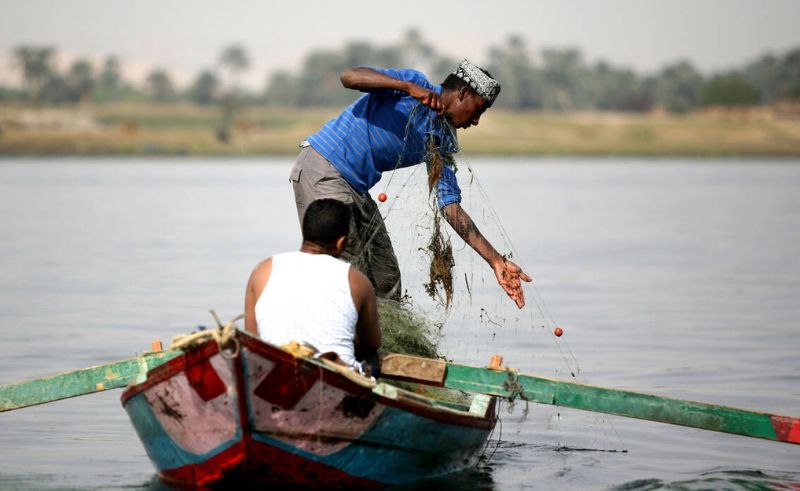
672, 276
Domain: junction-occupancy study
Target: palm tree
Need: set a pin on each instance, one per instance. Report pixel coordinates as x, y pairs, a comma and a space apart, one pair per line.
234, 59
160, 85
417, 52
205, 87
80, 80
36, 64
109, 81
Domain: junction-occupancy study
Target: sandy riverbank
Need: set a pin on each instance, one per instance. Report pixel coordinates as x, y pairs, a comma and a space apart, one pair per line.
185, 129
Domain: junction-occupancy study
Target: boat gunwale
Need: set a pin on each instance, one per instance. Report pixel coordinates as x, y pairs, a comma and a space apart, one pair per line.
169, 369
210, 348
330, 376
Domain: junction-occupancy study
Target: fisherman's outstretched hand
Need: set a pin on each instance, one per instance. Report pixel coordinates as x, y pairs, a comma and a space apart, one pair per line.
510, 277
428, 98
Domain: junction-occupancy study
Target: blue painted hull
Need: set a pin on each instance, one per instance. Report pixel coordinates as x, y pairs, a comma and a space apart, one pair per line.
266, 416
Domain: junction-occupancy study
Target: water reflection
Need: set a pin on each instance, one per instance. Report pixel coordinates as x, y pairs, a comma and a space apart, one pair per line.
728, 480
478, 478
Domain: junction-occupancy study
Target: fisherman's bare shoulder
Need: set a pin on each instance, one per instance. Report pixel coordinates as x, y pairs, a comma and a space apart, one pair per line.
359, 283
261, 272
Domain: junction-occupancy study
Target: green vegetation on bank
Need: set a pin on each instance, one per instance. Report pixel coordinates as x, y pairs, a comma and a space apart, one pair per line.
187, 129
548, 79
553, 101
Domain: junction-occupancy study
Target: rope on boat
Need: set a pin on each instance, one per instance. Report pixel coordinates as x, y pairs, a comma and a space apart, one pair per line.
224, 335
511, 384
515, 389
299, 350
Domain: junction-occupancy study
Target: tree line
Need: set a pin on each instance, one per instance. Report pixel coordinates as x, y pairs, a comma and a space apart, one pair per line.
82, 81
547, 79
563, 80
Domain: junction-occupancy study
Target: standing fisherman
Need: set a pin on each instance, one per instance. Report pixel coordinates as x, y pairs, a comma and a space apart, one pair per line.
389, 127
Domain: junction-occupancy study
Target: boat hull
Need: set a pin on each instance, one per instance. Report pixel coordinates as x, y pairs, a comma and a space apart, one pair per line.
266, 416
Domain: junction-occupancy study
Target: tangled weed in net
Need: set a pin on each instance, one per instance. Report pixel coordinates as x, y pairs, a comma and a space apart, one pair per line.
405, 331
439, 248
435, 164
442, 263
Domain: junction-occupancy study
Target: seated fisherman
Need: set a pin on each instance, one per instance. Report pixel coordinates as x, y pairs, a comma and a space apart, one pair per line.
312, 297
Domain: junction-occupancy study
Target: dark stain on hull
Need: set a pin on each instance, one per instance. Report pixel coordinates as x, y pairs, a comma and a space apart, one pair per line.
168, 410
355, 407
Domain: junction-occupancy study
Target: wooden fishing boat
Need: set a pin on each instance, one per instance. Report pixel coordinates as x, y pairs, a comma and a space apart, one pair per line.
257, 413
222, 406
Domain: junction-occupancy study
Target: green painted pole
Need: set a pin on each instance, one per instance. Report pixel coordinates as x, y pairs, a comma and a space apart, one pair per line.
624, 403
79, 382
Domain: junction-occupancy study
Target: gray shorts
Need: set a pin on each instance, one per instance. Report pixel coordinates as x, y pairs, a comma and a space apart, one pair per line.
368, 246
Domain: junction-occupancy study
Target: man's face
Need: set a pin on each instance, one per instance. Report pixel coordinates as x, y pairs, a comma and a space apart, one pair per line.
467, 109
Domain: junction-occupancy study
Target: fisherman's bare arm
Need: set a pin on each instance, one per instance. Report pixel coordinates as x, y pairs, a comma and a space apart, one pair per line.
255, 285
368, 332
363, 78
509, 275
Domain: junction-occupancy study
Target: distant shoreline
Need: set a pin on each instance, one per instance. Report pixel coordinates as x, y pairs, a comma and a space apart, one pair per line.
144, 130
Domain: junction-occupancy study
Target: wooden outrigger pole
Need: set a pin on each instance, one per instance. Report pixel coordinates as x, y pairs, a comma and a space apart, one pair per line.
510, 384
81, 382
506, 383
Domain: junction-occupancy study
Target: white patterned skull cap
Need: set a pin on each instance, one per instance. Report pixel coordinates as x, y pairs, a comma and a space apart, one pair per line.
484, 85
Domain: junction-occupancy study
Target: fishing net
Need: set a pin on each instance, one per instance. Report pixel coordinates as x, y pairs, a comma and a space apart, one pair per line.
452, 306
450, 291
439, 249
405, 331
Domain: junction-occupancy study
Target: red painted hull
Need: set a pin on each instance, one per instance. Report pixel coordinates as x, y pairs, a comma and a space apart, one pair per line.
265, 417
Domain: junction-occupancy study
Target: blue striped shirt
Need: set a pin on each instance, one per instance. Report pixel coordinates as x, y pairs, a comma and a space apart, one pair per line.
384, 130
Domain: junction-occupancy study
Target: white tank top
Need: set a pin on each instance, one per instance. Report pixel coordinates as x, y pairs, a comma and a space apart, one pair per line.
307, 299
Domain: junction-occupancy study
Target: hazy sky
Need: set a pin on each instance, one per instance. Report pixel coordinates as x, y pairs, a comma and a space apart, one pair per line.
187, 35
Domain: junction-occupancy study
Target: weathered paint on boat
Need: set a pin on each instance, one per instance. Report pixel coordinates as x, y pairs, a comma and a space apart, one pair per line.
265, 416
80, 382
